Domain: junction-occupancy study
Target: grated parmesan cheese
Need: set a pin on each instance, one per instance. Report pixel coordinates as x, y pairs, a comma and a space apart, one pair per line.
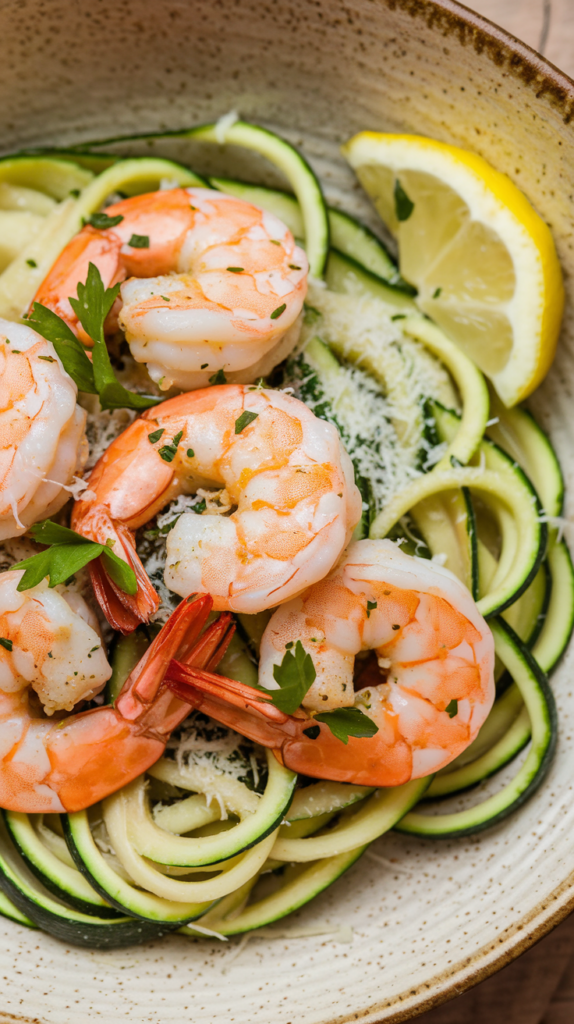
377, 399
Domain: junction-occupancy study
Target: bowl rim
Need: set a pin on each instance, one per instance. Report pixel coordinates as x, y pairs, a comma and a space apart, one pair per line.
547, 81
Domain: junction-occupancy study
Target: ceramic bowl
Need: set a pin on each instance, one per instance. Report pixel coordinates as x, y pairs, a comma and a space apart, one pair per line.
428, 918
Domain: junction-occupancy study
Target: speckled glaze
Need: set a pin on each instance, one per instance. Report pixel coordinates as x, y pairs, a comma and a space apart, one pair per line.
429, 918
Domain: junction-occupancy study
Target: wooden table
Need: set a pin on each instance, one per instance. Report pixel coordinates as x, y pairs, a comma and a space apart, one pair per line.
538, 988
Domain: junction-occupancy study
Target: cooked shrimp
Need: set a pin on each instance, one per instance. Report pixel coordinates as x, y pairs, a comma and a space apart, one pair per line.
428, 684
42, 440
72, 762
213, 283
48, 645
283, 469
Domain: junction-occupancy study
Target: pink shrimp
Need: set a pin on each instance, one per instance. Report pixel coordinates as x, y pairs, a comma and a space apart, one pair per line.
70, 763
428, 684
210, 283
284, 470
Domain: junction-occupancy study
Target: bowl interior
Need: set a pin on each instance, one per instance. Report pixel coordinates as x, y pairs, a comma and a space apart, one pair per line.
427, 917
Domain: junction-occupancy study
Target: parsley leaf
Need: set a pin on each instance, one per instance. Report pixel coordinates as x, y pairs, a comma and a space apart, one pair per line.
295, 675
70, 351
403, 205
168, 452
277, 312
139, 242
244, 420
218, 378
7, 644
67, 552
345, 722
371, 605
102, 221
452, 709
92, 307
152, 438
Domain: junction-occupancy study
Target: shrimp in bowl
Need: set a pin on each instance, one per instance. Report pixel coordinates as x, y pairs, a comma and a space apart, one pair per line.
52, 659
427, 687
284, 471
209, 283
42, 439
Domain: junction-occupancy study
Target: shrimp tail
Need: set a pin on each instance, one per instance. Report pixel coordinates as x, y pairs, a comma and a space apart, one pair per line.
134, 732
234, 704
123, 611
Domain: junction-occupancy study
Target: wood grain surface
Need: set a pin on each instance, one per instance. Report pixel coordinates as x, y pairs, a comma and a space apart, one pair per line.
538, 988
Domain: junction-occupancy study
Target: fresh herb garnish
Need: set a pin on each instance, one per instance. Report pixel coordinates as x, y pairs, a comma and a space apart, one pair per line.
204, 366
47, 359
293, 266
92, 307
235, 270
371, 605
166, 298
436, 293
244, 420
7, 644
277, 312
169, 451
31, 263
399, 316
190, 453
452, 709
67, 552
403, 205
97, 377
295, 675
70, 351
75, 192
152, 438
139, 242
345, 722
102, 221
218, 378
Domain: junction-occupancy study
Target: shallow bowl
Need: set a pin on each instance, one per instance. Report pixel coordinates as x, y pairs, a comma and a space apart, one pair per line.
428, 918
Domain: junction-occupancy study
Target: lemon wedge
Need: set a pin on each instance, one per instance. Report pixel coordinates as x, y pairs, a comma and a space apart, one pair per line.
483, 261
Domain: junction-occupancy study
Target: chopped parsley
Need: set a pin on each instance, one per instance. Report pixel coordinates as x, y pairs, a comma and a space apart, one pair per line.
403, 205
295, 676
169, 451
244, 420
277, 312
452, 709
152, 438
139, 242
345, 722
101, 221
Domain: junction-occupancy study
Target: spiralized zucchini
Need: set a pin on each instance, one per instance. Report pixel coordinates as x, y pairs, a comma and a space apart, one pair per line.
201, 849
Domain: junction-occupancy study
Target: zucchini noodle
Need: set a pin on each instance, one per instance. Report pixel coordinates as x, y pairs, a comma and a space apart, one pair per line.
217, 838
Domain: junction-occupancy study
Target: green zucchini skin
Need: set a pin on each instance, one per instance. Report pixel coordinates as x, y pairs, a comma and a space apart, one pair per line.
495, 458
10, 910
554, 636
542, 710
42, 873
36, 904
126, 898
